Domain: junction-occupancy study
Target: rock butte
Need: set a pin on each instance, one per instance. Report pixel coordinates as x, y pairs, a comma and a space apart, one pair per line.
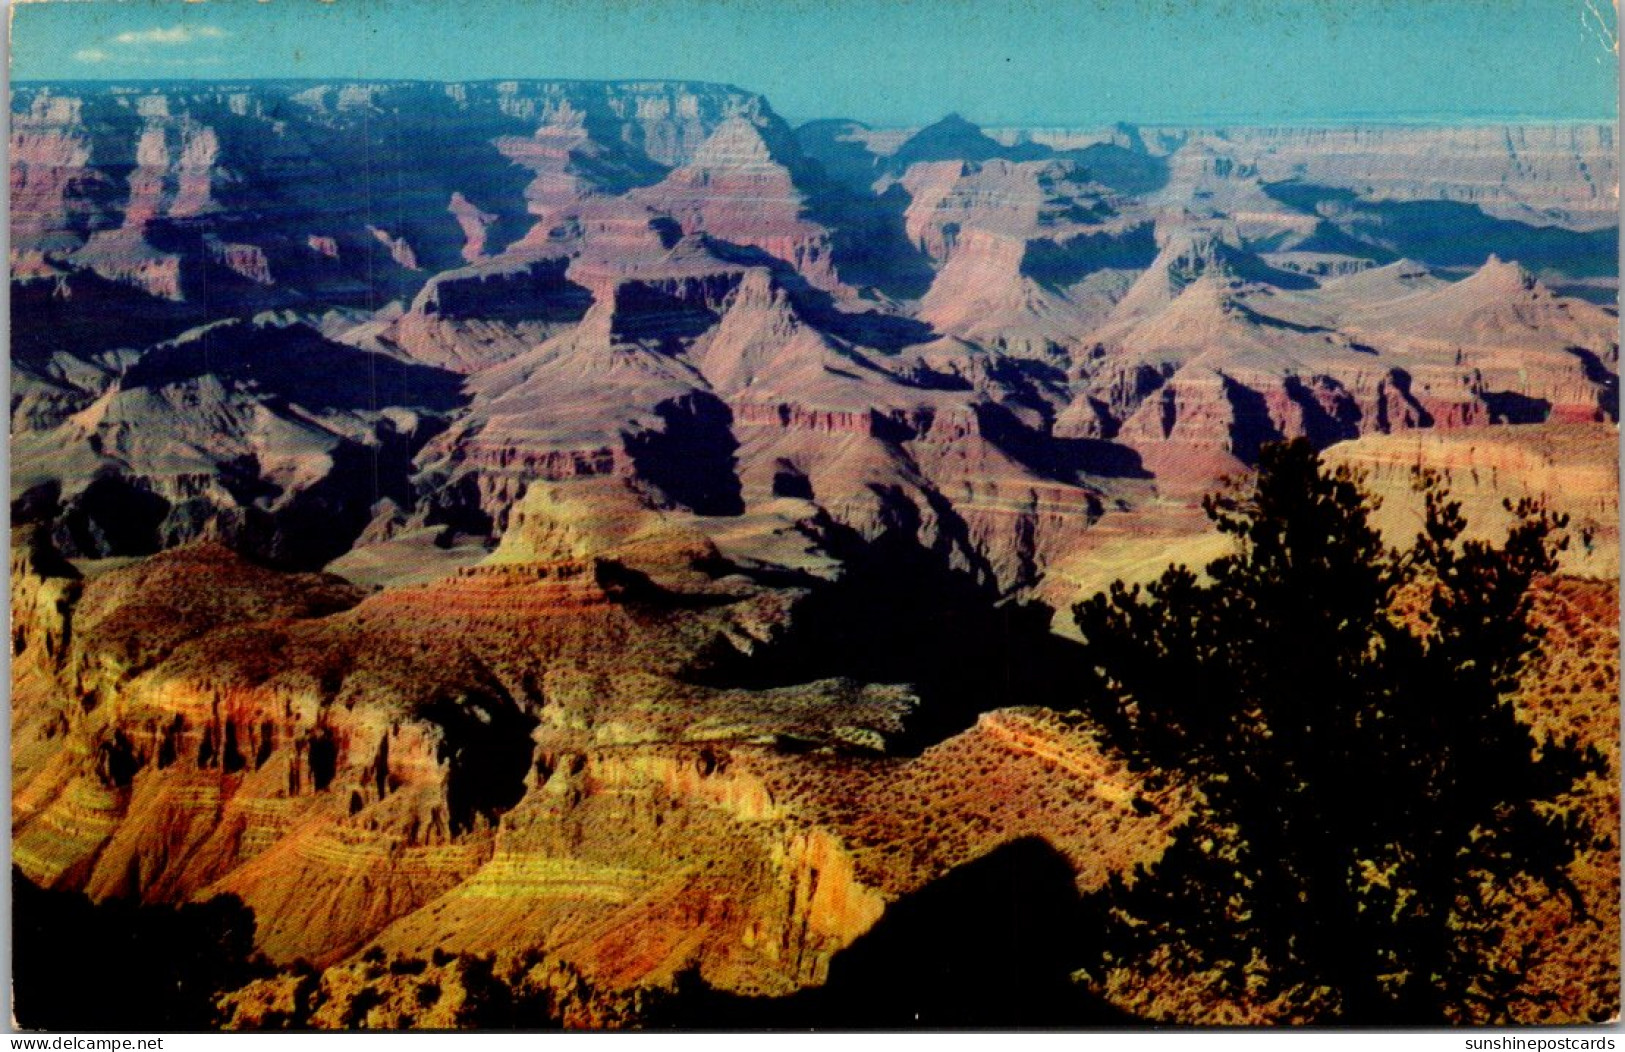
548, 551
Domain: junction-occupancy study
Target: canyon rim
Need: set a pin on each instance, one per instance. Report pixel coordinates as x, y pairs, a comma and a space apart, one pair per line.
511, 530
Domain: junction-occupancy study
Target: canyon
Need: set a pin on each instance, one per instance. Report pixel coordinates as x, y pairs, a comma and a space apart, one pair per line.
598, 530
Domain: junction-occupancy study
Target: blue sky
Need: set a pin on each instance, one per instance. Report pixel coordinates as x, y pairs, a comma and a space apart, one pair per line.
897, 61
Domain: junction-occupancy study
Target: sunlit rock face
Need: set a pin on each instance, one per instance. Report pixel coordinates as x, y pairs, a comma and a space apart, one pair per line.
626, 540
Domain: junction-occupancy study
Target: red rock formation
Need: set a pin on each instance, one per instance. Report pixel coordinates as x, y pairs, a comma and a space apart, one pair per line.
475, 223
247, 261
741, 189
1218, 362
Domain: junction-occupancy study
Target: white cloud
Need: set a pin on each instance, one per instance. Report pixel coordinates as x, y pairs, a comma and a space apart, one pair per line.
170, 35
134, 46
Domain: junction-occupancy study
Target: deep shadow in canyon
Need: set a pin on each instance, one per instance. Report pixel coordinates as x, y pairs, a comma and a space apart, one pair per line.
900, 614
990, 945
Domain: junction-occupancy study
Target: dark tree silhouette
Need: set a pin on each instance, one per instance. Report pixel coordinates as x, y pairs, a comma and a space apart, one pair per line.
1368, 799
120, 965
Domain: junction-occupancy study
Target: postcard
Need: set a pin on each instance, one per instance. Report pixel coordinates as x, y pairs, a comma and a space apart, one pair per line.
751, 514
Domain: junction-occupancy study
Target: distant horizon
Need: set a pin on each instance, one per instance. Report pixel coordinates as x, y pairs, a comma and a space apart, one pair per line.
892, 64
1405, 120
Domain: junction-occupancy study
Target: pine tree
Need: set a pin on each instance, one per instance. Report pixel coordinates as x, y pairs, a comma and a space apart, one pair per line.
1367, 793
